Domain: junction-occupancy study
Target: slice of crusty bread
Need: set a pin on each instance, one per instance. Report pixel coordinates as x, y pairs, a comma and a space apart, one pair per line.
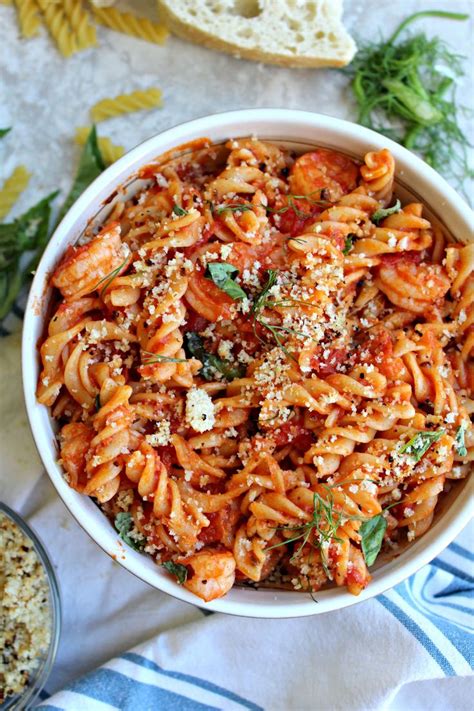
293, 33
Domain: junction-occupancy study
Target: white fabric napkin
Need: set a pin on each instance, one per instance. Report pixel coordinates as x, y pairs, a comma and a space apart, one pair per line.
399, 651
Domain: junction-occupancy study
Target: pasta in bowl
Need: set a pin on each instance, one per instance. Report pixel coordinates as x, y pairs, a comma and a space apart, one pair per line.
260, 362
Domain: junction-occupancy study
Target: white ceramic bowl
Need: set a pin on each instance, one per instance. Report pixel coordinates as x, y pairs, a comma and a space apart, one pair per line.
304, 129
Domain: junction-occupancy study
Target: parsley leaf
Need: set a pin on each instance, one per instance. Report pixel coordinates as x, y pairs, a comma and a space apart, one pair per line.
232, 207
29, 232
180, 211
210, 362
382, 212
97, 403
124, 524
4, 131
459, 440
91, 164
223, 275
371, 534
348, 244
178, 570
418, 445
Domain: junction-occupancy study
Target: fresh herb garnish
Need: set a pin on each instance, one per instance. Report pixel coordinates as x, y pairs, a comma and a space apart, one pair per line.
91, 164
291, 205
371, 536
322, 528
223, 275
232, 207
97, 403
123, 524
4, 131
178, 570
28, 233
157, 358
382, 212
348, 244
418, 445
210, 362
459, 440
406, 89
180, 211
108, 279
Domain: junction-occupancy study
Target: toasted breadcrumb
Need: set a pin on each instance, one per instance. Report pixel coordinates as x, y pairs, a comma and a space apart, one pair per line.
25, 615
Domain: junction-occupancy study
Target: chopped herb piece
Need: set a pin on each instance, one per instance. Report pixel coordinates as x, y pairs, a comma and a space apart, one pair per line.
382, 212
91, 164
418, 445
157, 358
178, 570
180, 211
124, 524
459, 440
223, 275
97, 403
4, 131
348, 244
233, 207
371, 536
108, 279
210, 362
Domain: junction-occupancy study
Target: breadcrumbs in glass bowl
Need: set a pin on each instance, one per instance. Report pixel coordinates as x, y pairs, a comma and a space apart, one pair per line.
30, 613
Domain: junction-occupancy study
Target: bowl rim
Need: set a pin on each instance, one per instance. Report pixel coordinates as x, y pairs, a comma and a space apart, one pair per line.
39, 680
268, 124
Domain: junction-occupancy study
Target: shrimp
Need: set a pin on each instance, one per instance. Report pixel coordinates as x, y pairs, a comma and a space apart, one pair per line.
211, 574
321, 169
413, 286
85, 269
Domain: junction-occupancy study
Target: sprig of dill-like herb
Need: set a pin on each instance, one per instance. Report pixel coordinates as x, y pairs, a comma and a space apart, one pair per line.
406, 89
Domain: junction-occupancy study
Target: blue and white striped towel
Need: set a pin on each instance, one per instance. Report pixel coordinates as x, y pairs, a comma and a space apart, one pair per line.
388, 653
352, 659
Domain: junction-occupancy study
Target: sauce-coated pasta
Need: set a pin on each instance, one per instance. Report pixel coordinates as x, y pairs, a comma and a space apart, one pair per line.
262, 366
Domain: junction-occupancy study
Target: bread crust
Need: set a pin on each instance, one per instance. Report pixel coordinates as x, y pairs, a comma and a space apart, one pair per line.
199, 36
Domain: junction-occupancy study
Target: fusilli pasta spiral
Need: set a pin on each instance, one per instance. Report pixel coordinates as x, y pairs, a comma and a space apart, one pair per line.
265, 366
131, 24
126, 103
12, 189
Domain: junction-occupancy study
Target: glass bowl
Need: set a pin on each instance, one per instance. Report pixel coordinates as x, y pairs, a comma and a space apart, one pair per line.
39, 677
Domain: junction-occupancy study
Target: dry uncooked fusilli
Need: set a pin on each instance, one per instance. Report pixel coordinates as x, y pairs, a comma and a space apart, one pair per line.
131, 24
28, 17
59, 27
126, 103
80, 22
264, 366
12, 189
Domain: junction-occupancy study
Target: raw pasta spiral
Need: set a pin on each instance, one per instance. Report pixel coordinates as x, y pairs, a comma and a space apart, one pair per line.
263, 366
79, 20
126, 103
12, 189
28, 17
131, 24
59, 27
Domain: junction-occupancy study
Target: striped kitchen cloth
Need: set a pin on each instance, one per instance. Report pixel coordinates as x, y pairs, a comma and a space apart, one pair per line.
357, 658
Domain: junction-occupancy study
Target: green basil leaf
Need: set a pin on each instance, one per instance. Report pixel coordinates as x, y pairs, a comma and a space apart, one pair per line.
180, 211
124, 524
223, 275
459, 440
4, 131
418, 445
178, 570
194, 347
382, 213
348, 244
91, 164
371, 534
